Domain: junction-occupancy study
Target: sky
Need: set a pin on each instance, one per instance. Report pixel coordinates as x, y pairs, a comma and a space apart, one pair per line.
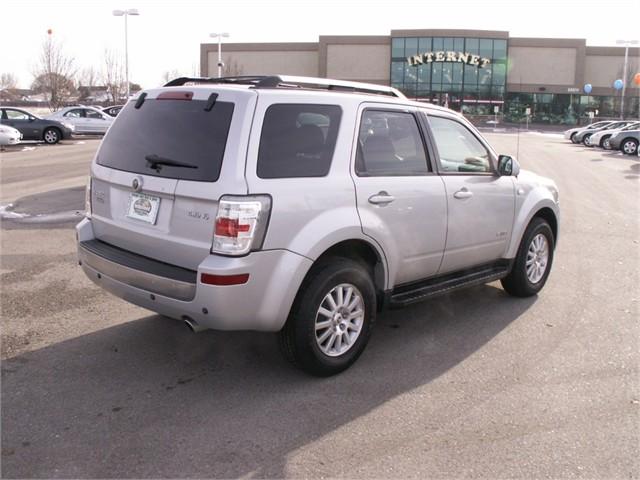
167, 35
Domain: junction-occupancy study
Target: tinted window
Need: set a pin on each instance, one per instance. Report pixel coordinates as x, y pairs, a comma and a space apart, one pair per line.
389, 143
177, 130
458, 148
298, 140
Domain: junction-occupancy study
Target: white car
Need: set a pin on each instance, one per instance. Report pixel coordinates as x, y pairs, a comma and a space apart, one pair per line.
9, 135
86, 120
601, 138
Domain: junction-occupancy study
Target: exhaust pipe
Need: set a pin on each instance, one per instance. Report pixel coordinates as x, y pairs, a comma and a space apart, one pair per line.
193, 325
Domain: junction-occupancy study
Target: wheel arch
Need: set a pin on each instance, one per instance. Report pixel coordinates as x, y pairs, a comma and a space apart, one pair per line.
544, 208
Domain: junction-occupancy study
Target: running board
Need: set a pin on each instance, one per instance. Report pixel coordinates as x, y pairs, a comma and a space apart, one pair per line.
415, 292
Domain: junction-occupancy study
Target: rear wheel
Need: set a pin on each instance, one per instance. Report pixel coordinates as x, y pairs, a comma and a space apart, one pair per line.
51, 136
533, 261
331, 320
604, 142
629, 146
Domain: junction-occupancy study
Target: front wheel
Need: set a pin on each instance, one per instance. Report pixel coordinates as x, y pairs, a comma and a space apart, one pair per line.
51, 136
604, 142
331, 320
585, 140
629, 146
573, 137
533, 262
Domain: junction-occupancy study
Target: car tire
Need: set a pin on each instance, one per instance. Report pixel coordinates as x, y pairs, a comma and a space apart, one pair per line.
533, 261
585, 140
604, 142
322, 336
51, 136
573, 137
629, 146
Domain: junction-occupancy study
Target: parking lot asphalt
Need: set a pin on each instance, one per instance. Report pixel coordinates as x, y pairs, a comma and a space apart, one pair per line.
473, 384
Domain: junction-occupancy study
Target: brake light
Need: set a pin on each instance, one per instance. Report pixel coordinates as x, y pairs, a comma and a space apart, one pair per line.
175, 95
241, 224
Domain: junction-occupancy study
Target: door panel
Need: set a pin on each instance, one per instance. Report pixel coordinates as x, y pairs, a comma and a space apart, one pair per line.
481, 210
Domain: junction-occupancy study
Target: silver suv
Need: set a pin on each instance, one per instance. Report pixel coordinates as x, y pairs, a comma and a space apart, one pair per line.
304, 206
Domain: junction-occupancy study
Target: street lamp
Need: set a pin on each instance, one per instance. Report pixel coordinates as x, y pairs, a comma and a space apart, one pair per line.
219, 37
626, 44
125, 14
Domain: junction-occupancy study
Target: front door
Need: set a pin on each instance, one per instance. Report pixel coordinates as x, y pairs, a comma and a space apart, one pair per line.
481, 204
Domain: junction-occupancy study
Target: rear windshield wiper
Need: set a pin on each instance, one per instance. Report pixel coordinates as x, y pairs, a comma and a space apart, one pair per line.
155, 162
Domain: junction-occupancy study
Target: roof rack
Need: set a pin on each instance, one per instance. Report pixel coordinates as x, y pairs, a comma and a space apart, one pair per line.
287, 81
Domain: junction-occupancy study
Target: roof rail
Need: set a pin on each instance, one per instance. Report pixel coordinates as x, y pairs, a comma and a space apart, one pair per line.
287, 81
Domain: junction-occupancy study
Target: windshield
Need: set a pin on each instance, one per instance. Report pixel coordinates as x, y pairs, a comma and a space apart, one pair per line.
172, 133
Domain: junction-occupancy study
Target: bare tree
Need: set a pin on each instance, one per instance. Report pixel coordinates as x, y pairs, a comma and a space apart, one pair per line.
113, 76
170, 75
89, 77
232, 68
8, 80
54, 73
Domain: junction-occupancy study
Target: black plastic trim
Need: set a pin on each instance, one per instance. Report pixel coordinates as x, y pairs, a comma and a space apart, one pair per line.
139, 262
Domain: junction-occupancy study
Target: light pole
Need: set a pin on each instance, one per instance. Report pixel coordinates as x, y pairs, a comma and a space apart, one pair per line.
219, 37
626, 44
125, 14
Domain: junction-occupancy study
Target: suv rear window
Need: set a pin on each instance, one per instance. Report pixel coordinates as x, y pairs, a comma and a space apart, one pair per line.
298, 140
175, 130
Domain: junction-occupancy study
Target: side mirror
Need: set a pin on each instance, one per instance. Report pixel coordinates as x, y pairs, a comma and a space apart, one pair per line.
508, 166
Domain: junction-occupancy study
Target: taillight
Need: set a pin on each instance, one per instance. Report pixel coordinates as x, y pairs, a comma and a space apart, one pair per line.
87, 199
241, 224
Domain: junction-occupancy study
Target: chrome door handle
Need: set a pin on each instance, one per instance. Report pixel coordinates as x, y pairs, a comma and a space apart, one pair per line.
381, 198
463, 193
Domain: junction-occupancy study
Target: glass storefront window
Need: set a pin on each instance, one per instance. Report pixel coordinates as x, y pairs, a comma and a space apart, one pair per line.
397, 48
450, 79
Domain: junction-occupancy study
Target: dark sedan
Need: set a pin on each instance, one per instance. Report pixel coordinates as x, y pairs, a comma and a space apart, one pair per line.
113, 111
35, 128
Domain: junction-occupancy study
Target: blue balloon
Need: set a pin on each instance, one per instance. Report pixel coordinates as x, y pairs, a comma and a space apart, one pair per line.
618, 84
587, 88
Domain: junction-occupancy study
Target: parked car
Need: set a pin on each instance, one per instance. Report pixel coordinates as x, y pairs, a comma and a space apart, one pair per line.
9, 136
245, 204
586, 139
86, 120
626, 140
113, 110
571, 133
601, 138
583, 135
35, 128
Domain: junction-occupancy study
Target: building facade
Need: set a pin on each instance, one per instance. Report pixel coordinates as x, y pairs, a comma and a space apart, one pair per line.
477, 72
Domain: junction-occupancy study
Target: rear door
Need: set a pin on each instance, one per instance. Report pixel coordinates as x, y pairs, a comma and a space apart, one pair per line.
162, 167
77, 118
96, 121
401, 201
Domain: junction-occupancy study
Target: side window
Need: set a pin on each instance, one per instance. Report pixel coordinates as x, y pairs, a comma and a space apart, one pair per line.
76, 113
298, 140
92, 114
16, 115
389, 143
459, 149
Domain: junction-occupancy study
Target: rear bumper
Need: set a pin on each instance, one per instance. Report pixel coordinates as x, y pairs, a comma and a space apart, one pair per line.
263, 303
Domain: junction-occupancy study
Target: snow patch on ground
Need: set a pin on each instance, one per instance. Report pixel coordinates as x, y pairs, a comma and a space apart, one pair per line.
5, 212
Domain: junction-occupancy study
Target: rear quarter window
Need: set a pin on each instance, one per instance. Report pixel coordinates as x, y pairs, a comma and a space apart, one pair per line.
298, 140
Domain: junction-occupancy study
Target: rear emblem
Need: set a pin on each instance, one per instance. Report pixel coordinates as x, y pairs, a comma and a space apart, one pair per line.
137, 184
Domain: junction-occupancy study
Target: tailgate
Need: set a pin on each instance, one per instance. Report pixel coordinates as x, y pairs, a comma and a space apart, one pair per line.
162, 167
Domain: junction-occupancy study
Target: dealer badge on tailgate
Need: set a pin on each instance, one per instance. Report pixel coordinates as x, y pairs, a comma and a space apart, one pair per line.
143, 207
